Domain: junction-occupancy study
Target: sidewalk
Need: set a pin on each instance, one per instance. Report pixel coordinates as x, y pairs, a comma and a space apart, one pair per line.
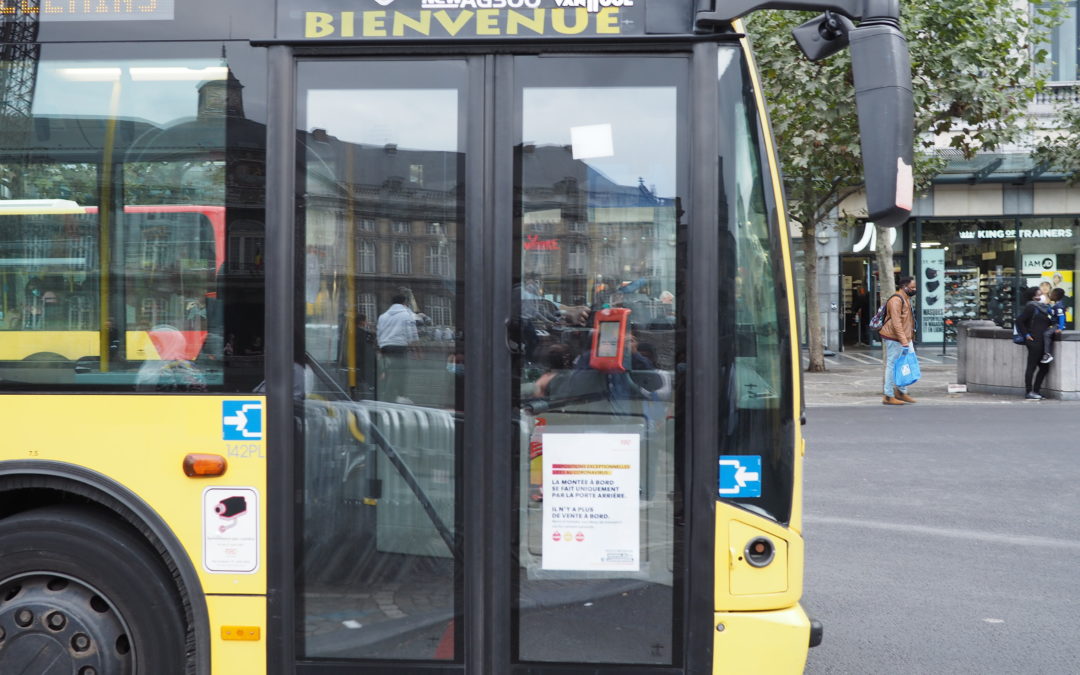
854, 377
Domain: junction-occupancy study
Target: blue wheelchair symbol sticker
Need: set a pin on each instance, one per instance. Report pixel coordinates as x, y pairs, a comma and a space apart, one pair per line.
241, 420
740, 476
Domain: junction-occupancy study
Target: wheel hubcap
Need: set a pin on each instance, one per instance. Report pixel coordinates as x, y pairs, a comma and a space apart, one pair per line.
52, 625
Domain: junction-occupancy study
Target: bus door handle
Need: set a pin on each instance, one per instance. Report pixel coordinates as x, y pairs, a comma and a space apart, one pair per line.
513, 346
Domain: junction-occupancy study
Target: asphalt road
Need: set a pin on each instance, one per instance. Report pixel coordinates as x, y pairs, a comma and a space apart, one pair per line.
944, 539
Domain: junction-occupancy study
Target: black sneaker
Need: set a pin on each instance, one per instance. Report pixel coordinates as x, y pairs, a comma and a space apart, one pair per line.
1046, 358
1033, 396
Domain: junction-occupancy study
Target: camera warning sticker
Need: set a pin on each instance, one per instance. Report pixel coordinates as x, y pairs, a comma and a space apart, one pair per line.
230, 530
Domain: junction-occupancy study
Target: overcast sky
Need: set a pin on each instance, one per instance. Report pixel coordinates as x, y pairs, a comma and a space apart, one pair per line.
642, 123
159, 102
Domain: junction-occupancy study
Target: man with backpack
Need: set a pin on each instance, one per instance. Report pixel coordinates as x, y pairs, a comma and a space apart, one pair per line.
897, 333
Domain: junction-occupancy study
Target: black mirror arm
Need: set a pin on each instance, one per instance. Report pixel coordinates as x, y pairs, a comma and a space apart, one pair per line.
712, 12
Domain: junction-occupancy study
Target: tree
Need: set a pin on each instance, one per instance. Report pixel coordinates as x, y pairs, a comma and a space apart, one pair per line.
972, 75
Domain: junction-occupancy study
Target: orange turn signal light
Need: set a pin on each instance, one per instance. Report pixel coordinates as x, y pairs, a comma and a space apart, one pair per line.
242, 633
196, 465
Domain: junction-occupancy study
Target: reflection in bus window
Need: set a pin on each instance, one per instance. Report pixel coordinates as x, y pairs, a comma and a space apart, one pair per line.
753, 341
382, 218
116, 253
757, 354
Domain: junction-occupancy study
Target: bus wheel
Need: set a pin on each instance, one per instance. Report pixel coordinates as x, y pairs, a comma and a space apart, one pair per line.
81, 594
45, 356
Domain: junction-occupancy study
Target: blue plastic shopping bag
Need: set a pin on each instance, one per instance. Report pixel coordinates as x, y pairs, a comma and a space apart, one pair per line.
906, 371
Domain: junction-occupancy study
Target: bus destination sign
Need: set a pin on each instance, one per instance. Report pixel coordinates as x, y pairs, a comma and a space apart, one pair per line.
466, 19
88, 10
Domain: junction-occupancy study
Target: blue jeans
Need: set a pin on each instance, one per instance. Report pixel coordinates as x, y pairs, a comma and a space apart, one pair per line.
893, 349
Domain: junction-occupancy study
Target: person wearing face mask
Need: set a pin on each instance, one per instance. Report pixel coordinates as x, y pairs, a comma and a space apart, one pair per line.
898, 333
1032, 322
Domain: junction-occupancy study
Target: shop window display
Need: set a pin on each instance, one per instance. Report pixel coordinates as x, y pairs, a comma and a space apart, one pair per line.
1048, 249
997, 296
985, 263
961, 293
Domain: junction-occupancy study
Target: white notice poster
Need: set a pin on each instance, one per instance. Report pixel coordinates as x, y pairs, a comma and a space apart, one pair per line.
591, 502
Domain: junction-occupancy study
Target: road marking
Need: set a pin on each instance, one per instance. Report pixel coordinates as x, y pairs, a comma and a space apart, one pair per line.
951, 533
994, 620
863, 359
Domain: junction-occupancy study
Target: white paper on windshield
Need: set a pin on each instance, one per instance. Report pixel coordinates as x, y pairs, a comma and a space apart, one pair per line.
592, 141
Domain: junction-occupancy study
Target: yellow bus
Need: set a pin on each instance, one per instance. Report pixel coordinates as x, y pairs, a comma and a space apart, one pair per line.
407, 336
52, 301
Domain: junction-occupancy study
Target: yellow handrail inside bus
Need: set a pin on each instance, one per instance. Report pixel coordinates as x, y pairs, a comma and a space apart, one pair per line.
104, 220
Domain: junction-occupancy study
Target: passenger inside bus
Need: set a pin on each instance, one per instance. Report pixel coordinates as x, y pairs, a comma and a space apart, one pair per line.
173, 371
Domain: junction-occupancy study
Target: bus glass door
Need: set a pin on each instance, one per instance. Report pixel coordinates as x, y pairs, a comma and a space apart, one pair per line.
401, 182
600, 173
380, 306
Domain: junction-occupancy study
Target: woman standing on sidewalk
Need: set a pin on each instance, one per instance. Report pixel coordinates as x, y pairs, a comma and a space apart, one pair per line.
1032, 324
897, 333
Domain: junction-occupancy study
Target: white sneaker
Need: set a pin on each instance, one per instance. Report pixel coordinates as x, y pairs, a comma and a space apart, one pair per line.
1047, 358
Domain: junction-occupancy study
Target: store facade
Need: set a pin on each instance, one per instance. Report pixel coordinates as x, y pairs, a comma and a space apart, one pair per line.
977, 268
972, 248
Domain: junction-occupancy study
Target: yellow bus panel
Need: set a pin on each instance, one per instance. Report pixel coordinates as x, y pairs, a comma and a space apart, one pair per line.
16, 345
773, 642
740, 584
140, 442
232, 655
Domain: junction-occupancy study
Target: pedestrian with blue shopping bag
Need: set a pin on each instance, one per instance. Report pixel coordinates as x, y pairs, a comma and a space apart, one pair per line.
898, 335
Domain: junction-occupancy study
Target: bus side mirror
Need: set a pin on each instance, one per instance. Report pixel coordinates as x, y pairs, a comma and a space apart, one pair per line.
823, 35
882, 69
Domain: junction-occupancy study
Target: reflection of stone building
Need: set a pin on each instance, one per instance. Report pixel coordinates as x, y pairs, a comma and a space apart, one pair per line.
391, 216
392, 222
584, 235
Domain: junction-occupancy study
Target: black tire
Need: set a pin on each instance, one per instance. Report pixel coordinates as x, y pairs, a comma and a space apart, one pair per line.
78, 587
46, 357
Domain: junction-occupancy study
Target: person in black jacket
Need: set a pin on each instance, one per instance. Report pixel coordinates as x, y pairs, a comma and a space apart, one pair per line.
1032, 323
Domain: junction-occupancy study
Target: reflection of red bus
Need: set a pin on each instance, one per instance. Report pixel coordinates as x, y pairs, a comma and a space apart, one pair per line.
55, 297
215, 214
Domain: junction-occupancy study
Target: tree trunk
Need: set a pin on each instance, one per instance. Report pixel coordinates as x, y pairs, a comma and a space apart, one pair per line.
886, 278
810, 286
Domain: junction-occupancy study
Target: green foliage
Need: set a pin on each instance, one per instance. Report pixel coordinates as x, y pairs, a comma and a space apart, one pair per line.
193, 181
972, 77
1060, 151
